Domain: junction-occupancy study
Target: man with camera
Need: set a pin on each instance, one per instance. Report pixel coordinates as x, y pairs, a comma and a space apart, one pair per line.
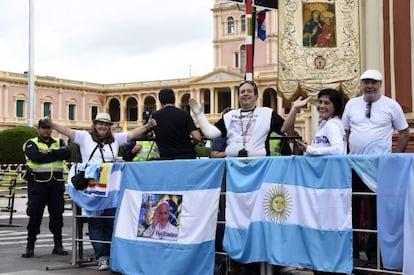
247, 129
45, 157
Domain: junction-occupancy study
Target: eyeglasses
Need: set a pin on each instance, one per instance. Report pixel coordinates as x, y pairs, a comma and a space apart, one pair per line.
368, 110
45, 127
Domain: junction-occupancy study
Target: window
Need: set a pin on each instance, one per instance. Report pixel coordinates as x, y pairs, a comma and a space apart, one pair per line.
242, 59
230, 25
71, 111
243, 23
47, 108
236, 60
94, 112
20, 108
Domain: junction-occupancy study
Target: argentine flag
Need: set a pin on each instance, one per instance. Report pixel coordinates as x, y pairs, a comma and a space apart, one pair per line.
395, 210
184, 191
291, 211
91, 199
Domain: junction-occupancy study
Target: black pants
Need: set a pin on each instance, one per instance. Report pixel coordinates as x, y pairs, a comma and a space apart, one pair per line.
43, 194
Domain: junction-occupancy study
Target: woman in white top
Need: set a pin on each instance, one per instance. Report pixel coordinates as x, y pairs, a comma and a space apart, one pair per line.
96, 146
330, 136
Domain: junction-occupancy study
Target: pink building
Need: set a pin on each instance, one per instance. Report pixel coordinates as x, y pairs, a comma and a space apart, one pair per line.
384, 42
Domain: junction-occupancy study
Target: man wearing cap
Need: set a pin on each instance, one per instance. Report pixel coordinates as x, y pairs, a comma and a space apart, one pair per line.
370, 121
45, 157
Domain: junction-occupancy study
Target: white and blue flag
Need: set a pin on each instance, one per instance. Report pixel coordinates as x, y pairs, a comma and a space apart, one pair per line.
89, 199
395, 210
292, 211
190, 190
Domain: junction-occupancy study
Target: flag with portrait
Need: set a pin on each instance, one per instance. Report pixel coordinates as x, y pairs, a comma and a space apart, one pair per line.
167, 216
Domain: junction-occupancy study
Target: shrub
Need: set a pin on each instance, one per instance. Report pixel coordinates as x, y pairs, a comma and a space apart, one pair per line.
11, 143
202, 151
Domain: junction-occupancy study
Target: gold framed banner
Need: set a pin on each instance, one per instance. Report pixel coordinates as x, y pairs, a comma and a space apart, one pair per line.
319, 47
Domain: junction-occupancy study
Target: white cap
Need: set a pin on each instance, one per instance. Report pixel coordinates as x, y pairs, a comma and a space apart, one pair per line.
371, 74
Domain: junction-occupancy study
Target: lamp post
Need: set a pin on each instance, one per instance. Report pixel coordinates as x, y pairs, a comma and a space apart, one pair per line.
31, 64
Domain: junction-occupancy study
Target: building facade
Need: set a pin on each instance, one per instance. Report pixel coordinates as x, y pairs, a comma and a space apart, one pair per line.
386, 34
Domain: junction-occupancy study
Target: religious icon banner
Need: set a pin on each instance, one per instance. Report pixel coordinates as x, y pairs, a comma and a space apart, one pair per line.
319, 47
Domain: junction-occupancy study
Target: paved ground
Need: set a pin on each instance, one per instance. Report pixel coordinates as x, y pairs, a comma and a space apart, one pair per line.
13, 242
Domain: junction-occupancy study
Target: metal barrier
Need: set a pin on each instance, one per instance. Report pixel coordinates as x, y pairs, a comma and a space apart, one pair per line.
360, 265
11, 182
8, 186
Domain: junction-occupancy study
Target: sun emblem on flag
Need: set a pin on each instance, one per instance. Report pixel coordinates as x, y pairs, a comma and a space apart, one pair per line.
278, 204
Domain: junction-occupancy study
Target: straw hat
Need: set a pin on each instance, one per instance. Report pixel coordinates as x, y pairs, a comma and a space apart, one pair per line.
103, 117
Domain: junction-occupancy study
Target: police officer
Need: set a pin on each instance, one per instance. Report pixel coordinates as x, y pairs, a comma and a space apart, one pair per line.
45, 157
142, 150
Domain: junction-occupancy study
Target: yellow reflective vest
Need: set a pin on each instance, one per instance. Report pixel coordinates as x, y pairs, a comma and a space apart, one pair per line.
274, 145
56, 166
148, 151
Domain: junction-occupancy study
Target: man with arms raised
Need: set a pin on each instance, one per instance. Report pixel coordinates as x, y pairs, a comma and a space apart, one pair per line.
247, 129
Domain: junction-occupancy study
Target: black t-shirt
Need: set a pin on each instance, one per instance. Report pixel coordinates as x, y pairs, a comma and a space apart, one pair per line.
172, 133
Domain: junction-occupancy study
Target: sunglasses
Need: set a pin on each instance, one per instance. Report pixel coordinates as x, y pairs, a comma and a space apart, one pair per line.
45, 127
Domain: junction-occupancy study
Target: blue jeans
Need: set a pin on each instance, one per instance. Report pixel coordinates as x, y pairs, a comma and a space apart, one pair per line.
101, 229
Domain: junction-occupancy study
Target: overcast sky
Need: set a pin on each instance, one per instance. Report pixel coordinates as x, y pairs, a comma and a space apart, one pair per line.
109, 41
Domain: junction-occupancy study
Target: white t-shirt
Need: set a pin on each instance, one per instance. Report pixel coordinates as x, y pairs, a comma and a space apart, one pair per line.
329, 138
251, 128
87, 145
376, 131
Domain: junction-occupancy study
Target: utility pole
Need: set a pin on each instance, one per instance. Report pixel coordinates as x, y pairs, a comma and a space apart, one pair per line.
249, 41
30, 111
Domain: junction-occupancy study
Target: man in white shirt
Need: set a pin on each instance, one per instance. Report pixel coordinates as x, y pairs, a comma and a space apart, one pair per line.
370, 121
247, 129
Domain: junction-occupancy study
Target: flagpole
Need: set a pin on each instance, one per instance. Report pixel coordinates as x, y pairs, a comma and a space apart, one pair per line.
249, 41
31, 64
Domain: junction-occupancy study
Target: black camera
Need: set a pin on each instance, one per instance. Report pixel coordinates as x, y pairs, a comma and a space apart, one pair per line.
242, 153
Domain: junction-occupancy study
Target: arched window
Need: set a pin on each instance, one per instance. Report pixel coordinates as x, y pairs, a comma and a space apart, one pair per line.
230, 25
20, 108
47, 108
47, 105
236, 60
94, 111
20, 100
242, 59
71, 111
243, 23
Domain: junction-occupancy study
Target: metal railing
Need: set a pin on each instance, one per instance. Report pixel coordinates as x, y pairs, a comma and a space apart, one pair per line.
360, 264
